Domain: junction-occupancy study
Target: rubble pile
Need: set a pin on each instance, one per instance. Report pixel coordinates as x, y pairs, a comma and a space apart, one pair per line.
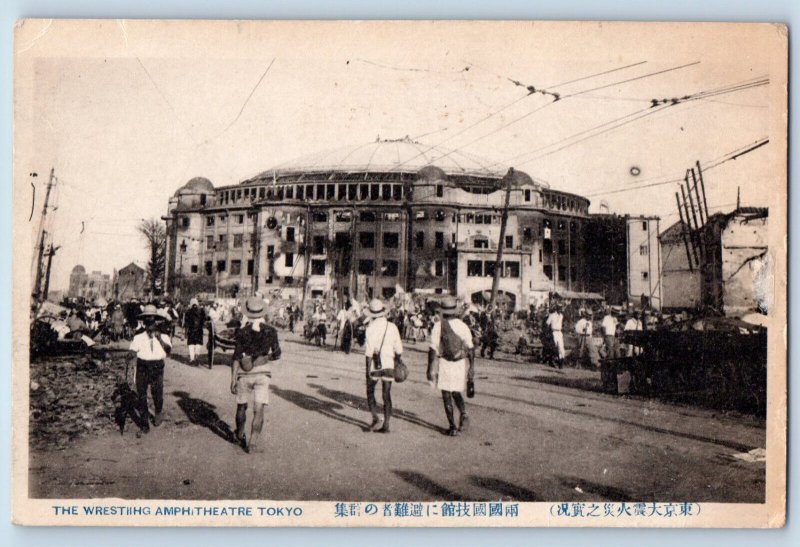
71, 397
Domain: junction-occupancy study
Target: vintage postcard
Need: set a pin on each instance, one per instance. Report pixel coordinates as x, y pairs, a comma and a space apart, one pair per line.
396, 273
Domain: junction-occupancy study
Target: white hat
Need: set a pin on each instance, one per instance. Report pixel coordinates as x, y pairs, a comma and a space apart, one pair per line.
376, 308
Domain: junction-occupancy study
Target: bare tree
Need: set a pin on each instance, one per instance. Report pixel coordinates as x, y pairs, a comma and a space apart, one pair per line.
155, 235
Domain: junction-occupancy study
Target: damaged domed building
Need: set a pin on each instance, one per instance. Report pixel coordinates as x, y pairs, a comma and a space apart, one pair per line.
378, 218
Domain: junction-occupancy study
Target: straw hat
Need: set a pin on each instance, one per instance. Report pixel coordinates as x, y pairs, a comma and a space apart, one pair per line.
254, 307
376, 308
449, 307
150, 311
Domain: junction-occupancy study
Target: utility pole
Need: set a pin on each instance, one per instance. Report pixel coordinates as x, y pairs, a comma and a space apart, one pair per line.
503, 221
50, 253
37, 287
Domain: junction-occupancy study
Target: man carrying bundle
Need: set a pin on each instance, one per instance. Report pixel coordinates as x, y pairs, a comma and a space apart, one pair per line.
451, 363
382, 346
256, 345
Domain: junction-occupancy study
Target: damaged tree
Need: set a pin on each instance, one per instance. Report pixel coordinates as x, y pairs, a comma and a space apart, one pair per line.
155, 236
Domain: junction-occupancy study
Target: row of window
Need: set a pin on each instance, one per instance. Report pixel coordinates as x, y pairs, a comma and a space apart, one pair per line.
236, 267
211, 219
486, 268
369, 191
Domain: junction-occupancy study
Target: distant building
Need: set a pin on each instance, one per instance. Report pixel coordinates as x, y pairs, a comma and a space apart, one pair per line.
129, 283
77, 281
681, 284
93, 286
623, 260
732, 272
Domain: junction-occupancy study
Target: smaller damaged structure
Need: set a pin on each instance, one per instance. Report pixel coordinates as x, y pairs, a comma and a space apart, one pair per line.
715, 350
737, 273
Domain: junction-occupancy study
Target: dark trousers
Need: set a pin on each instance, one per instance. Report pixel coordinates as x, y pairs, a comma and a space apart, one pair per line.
347, 337
149, 374
373, 403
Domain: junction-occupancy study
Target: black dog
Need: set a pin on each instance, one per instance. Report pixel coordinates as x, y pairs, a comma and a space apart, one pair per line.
127, 404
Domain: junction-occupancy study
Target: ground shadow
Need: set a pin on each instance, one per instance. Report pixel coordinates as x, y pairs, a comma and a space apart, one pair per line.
360, 403
326, 408
596, 491
203, 413
434, 489
512, 491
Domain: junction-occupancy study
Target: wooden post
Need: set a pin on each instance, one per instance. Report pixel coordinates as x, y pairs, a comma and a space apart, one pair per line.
503, 221
683, 233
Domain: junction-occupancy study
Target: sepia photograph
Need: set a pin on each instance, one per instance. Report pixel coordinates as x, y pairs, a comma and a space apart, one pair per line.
399, 273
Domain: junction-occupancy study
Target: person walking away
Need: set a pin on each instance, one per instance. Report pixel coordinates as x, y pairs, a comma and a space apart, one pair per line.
345, 320
193, 323
587, 350
489, 337
555, 321
451, 363
382, 343
609, 326
290, 313
118, 324
151, 347
256, 346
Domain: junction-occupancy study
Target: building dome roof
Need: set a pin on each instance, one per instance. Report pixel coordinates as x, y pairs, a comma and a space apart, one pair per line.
197, 185
78, 269
390, 156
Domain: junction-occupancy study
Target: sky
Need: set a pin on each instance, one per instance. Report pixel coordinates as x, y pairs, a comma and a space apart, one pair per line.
127, 112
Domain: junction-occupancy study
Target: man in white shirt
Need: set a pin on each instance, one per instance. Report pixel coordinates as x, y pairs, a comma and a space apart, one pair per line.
632, 324
586, 346
451, 363
555, 321
609, 326
151, 348
382, 344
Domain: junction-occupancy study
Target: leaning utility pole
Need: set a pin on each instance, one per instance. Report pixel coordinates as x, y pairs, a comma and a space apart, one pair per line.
50, 254
37, 284
503, 221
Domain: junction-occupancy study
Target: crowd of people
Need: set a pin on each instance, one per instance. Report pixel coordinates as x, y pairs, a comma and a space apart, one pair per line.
455, 333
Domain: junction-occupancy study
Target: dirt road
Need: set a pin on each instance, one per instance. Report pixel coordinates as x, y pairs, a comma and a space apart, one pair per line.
536, 435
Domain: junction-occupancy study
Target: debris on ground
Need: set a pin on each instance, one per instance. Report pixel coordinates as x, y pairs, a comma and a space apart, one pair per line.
71, 397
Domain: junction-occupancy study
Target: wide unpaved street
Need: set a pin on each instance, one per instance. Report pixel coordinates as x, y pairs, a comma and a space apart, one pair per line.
536, 435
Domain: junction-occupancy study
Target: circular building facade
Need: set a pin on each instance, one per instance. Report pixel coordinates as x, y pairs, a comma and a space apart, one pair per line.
379, 218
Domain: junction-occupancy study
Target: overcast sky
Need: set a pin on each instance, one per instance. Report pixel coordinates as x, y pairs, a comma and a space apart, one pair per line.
127, 113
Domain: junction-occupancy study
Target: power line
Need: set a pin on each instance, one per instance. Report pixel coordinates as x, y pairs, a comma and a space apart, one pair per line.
562, 98
722, 159
508, 105
622, 121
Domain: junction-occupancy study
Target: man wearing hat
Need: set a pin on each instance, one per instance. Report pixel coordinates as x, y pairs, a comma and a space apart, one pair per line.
555, 321
609, 326
382, 343
256, 345
193, 322
451, 349
587, 350
151, 348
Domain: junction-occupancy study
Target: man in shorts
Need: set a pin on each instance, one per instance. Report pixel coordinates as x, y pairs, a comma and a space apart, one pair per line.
452, 369
381, 347
256, 346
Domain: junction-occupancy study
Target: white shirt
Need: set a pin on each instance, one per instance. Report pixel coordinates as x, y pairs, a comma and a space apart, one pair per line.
583, 327
633, 324
609, 325
392, 344
149, 349
554, 320
459, 327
